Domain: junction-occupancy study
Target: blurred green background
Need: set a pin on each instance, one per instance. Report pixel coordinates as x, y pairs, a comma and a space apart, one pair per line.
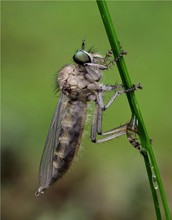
107, 181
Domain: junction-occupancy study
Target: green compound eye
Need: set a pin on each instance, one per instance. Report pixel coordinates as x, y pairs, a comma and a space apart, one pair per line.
82, 57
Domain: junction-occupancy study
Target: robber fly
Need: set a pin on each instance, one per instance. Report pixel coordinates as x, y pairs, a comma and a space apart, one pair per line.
78, 84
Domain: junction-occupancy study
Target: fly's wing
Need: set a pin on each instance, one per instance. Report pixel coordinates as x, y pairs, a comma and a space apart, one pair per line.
46, 165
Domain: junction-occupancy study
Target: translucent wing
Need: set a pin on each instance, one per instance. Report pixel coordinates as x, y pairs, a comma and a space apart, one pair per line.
46, 165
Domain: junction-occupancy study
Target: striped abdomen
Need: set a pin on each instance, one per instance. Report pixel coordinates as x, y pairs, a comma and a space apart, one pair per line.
71, 129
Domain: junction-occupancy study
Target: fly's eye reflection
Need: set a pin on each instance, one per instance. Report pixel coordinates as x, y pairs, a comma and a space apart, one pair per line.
79, 84
82, 57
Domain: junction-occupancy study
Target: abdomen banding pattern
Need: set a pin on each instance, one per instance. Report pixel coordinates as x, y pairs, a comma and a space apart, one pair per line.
72, 125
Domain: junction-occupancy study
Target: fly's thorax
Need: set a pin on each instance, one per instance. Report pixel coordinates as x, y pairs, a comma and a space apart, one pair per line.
64, 74
73, 82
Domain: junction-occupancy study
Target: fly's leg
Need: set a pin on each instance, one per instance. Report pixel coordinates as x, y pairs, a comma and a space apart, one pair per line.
104, 66
121, 54
112, 134
94, 69
132, 132
97, 122
97, 128
109, 54
99, 94
94, 123
97, 119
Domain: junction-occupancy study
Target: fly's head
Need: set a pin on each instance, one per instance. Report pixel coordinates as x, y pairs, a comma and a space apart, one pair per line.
82, 57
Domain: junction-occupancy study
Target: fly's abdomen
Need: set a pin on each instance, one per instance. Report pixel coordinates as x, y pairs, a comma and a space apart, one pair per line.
72, 125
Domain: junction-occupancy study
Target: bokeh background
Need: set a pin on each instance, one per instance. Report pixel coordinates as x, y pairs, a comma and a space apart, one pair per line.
107, 181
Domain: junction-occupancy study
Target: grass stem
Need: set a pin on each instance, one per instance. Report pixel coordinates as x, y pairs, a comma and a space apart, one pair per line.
149, 158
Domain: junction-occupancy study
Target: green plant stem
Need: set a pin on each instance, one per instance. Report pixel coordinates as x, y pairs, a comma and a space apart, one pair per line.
142, 132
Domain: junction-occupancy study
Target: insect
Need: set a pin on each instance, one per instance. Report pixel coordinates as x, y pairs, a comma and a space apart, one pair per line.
78, 84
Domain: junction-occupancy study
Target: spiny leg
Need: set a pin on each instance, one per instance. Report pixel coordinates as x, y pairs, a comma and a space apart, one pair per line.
110, 52
97, 128
106, 58
104, 66
94, 126
102, 61
99, 94
112, 134
121, 54
107, 88
108, 55
132, 132
97, 119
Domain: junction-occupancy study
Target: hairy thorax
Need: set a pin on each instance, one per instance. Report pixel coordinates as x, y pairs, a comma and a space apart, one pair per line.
74, 82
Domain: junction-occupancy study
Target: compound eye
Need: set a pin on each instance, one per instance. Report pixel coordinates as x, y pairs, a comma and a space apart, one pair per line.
81, 57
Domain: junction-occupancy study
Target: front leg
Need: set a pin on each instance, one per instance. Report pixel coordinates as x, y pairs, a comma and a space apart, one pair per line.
109, 54
99, 94
103, 65
100, 64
